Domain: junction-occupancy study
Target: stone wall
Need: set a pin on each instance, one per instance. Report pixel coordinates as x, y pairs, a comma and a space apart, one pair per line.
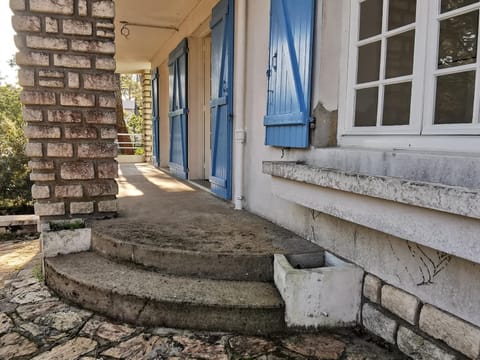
147, 114
421, 331
66, 60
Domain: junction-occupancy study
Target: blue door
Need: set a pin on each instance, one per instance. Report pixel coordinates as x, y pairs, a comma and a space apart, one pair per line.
287, 121
221, 104
178, 114
155, 120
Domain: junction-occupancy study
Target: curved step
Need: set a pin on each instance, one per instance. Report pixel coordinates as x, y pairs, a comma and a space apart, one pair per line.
150, 298
212, 265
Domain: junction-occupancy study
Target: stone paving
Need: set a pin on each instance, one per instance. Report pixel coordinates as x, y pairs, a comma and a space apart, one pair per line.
35, 324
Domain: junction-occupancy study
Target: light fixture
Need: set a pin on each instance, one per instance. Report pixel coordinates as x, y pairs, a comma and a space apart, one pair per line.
125, 31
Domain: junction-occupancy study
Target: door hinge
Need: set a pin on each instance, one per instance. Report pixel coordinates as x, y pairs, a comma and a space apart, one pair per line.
313, 122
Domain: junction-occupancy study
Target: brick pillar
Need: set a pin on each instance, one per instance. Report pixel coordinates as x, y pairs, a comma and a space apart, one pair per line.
147, 114
66, 50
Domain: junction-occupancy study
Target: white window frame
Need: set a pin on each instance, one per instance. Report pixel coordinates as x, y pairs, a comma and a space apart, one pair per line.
421, 134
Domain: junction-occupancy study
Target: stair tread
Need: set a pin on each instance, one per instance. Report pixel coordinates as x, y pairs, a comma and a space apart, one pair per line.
91, 269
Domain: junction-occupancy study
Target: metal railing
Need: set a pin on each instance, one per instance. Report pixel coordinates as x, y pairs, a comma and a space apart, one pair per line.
129, 143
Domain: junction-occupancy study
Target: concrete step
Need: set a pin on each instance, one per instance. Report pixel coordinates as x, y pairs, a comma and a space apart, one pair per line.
143, 297
241, 266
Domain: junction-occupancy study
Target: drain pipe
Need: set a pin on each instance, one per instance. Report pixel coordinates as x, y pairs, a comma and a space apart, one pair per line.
239, 104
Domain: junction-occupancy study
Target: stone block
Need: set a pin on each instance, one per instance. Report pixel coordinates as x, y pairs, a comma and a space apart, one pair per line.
78, 170
419, 348
51, 25
40, 191
51, 83
37, 97
34, 176
101, 117
48, 43
81, 208
107, 101
41, 164
456, 333
72, 61
108, 206
65, 242
401, 303
109, 34
59, 150
26, 77
105, 63
379, 324
101, 189
64, 7
93, 46
19, 41
372, 287
51, 74
82, 8
42, 132
103, 9
33, 150
68, 191
105, 24
32, 59
108, 133
107, 170
64, 116
26, 23
49, 209
77, 27
80, 132
75, 99
73, 80
17, 5
99, 82
97, 151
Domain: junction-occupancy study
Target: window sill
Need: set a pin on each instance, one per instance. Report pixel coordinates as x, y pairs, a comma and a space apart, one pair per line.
451, 199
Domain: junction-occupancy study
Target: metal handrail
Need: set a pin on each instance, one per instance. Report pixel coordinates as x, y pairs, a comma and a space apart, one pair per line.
136, 141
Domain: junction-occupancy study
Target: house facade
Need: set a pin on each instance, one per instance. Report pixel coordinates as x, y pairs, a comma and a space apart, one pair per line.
352, 123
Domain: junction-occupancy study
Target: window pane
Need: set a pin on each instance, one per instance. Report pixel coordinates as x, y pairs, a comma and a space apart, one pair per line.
401, 13
454, 100
448, 5
396, 106
368, 62
400, 54
370, 18
366, 107
458, 40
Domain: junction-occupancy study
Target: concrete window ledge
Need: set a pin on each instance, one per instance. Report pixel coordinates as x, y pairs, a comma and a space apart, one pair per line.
439, 216
450, 199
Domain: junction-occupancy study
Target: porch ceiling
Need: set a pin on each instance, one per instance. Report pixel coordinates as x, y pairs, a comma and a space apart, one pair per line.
134, 54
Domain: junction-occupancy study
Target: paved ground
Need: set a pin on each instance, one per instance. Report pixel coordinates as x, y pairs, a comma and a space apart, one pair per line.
35, 324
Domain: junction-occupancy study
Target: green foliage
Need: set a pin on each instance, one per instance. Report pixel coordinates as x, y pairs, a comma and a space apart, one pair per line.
14, 174
38, 273
135, 124
69, 225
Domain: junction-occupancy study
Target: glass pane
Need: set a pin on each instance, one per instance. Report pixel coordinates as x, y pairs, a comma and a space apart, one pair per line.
454, 100
370, 18
401, 13
366, 107
396, 106
400, 54
368, 62
458, 40
448, 5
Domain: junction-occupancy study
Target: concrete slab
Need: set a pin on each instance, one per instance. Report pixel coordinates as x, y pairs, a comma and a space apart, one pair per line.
159, 210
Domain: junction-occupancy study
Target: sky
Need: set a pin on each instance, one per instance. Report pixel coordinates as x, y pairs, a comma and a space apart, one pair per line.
7, 45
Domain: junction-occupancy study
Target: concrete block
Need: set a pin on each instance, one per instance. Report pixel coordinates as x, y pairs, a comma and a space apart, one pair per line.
51, 25
26, 23
76, 27
49, 43
37, 98
42, 132
108, 170
105, 63
401, 303
419, 348
108, 206
73, 99
65, 242
455, 332
33, 150
51, 83
42, 176
77, 170
107, 101
379, 324
99, 82
72, 61
40, 191
80, 132
97, 150
68, 191
49, 209
59, 150
103, 9
82, 8
32, 58
327, 296
64, 7
81, 208
93, 46
372, 287
64, 116
101, 117
32, 115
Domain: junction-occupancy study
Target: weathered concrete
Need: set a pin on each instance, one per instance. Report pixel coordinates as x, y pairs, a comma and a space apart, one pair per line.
326, 296
65, 241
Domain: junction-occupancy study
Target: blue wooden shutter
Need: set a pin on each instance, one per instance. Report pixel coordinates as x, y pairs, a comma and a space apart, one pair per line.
221, 103
178, 113
155, 120
287, 121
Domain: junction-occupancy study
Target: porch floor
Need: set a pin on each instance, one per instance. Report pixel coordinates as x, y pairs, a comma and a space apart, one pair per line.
159, 210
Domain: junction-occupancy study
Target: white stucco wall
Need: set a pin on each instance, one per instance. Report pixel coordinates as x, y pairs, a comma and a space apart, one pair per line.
455, 288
